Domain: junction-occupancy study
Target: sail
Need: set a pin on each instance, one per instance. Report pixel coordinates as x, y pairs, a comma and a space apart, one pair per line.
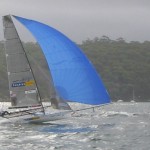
74, 77
23, 90
45, 79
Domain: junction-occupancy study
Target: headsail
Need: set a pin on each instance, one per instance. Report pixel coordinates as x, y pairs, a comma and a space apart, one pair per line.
22, 86
45, 79
74, 77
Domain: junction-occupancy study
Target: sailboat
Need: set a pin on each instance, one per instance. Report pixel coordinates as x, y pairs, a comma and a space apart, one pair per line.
72, 75
133, 96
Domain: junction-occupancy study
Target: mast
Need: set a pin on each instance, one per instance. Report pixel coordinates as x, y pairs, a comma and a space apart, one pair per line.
22, 83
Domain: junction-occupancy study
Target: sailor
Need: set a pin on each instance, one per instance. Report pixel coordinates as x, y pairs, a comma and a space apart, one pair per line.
3, 113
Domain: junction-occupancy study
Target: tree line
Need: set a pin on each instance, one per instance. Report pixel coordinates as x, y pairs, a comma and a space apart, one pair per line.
123, 66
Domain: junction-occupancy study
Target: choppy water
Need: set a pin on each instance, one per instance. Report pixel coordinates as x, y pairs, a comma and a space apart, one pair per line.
119, 126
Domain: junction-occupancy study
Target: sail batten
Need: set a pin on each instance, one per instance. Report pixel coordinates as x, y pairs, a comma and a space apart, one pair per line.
74, 77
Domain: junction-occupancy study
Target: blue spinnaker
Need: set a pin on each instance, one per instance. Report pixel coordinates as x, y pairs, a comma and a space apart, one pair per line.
74, 77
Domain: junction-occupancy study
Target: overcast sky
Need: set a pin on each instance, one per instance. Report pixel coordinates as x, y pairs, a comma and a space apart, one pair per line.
83, 19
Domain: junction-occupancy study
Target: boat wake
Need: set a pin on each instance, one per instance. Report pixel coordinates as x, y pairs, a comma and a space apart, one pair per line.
115, 113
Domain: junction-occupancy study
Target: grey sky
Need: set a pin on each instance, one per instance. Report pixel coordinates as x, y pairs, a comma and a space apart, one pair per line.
82, 19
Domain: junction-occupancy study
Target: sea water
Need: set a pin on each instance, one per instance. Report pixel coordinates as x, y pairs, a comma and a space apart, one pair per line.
118, 126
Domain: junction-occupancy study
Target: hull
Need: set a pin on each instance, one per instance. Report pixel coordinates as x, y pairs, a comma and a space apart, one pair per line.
45, 118
38, 118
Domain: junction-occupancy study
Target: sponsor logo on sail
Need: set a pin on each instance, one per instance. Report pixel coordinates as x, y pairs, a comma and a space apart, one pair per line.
24, 83
29, 83
18, 84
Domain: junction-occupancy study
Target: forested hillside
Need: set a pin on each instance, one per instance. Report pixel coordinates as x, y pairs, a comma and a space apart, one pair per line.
124, 67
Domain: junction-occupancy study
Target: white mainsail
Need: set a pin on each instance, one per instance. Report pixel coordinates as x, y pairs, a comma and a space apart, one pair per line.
22, 85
